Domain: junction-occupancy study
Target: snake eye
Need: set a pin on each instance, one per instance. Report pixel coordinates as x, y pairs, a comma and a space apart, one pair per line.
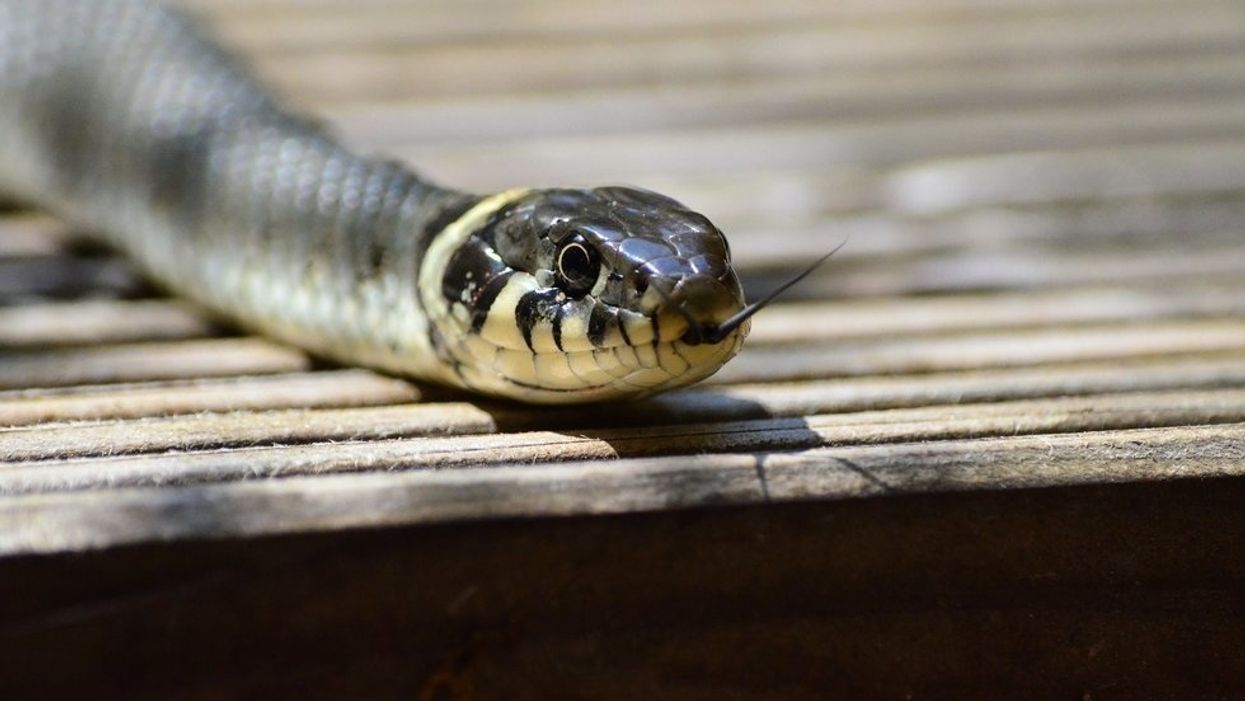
578, 265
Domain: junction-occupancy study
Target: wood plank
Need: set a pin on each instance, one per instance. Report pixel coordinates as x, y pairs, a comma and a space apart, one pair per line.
147, 361
902, 7
748, 203
1163, 171
983, 350
1112, 592
833, 98
893, 316
541, 66
320, 27
242, 429
99, 321
977, 385
336, 388
85, 521
25, 235
54, 450
867, 145
982, 269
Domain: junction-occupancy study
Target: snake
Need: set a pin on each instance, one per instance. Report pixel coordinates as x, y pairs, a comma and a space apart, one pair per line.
126, 118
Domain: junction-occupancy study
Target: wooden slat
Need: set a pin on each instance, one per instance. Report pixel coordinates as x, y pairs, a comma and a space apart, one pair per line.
339, 388
376, 431
87, 322
849, 319
1007, 269
29, 236
537, 65
147, 361
834, 97
293, 505
320, 27
859, 145
988, 350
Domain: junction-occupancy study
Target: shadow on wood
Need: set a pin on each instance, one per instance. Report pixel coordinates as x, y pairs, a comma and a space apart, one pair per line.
1089, 592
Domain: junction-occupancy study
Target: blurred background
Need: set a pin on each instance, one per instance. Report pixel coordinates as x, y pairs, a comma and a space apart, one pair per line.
959, 144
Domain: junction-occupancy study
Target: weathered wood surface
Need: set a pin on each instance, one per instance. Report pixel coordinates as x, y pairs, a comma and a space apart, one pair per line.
995, 449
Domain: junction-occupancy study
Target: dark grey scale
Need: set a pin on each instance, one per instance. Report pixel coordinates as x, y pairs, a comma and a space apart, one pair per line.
536, 306
669, 267
713, 247
354, 224
452, 207
405, 186
388, 238
639, 251
709, 265
643, 200
179, 174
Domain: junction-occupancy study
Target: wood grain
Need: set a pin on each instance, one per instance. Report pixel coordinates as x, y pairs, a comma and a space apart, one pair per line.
252, 508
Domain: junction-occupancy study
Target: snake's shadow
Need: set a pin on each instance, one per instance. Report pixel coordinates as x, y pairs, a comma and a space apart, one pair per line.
700, 438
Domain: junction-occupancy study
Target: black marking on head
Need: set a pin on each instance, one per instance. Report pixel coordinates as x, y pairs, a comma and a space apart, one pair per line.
532, 308
558, 313
622, 329
599, 322
470, 269
448, 214
484, 298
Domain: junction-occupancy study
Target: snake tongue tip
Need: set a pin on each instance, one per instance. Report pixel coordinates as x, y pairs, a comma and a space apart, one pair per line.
717, 333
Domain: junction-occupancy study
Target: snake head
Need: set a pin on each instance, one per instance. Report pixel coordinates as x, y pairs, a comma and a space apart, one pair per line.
567, 295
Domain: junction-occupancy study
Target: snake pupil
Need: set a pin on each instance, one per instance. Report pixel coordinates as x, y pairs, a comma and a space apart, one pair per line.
578, 265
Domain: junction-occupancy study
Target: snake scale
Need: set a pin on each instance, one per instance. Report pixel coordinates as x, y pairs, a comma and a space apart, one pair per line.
124, 116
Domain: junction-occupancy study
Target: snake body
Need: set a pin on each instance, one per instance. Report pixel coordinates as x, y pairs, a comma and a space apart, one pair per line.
124, 116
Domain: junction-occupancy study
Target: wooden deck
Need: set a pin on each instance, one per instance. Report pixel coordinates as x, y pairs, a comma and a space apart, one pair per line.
995, 449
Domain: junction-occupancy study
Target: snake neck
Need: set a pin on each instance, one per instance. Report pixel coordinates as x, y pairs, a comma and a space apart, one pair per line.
155, 138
